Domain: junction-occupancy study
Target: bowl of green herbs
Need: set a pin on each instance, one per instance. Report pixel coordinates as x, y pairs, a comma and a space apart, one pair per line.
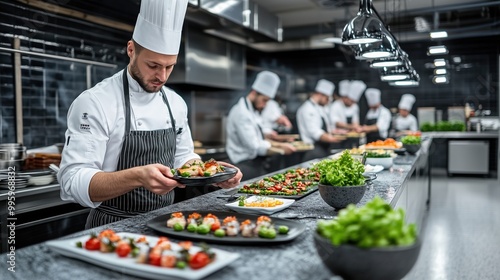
369, 242
411, 143
342, 181
380, 157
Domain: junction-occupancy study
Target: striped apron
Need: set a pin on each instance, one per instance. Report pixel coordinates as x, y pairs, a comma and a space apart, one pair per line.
139, 148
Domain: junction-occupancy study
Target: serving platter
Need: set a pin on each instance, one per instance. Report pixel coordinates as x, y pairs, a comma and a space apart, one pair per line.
260, 210
159, 223
68, 248
218, 177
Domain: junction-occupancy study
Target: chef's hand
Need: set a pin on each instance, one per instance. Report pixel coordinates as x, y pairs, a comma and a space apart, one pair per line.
234, 181
157, 179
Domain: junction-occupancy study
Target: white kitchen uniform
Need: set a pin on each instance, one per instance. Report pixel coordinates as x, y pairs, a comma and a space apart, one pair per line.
245, 140
382, 118
341, 113
96, 126
270, 115
312, 121
406, 123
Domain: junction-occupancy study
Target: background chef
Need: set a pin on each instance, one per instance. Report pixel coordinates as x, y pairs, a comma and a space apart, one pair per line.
126, 133
405, 122
344, 113
313, 121
246, 144
378, 117
274, 121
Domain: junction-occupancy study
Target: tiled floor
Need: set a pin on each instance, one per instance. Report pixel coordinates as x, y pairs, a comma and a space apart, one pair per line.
462, 234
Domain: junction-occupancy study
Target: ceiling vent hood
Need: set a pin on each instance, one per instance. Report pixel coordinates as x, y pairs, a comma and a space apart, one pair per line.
239, 21
209, 61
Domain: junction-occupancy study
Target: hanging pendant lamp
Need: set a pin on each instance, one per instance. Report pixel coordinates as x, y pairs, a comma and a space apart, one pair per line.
387, 48
364, 27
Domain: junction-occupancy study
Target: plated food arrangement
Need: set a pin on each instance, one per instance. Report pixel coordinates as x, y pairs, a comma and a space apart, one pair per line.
144, 256
294, 183
202, 174
388, 143
259, 204
226, 227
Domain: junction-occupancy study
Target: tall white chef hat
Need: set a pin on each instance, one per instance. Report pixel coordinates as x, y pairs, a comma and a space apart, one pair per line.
356, 90
325, 87
372, 96
159, 25
344, 87
266, 83
406, 102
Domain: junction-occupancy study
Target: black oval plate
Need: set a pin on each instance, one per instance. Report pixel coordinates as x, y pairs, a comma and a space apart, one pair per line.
227, 174
159, 224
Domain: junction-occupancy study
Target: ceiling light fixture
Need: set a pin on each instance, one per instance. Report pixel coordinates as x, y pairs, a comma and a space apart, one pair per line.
440, 80
440, 71
439, 62
438, 34
435, 50
404, 83
364, 27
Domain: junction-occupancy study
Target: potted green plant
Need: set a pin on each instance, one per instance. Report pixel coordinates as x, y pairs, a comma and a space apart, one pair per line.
342, 181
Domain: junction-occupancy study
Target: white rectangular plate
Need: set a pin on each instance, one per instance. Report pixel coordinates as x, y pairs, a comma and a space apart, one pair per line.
67, 247
260, 210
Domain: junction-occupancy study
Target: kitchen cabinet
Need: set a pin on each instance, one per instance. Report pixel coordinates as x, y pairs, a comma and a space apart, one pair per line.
468, 157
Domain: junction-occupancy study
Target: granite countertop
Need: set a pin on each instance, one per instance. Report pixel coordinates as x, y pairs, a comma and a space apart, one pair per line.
293, 260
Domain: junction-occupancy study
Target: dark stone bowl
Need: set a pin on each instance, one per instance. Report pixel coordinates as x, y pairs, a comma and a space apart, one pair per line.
351, 262
340, 197
412, 148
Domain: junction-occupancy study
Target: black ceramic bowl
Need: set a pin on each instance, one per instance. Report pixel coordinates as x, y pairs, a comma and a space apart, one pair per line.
412, 148
351, 262
340, 197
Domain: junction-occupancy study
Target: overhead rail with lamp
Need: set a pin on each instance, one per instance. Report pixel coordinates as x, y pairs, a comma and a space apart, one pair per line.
372, 41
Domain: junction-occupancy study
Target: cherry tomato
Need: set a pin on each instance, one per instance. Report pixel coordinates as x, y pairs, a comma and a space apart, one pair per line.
93, 244
155, 257
123, 249
199, 260
215, 226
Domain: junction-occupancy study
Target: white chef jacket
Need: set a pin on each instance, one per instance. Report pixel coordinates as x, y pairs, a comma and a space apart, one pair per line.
383, 116
244, 138
96, 126
406, 123
309, 121
269, 115
339, 112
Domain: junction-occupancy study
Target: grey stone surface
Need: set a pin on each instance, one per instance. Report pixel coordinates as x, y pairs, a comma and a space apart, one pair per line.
297, 259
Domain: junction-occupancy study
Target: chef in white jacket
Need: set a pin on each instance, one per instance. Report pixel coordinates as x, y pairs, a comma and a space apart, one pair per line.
246, 144
273, 119
378, 117
314, 123
344, 113
126, 133
405, 122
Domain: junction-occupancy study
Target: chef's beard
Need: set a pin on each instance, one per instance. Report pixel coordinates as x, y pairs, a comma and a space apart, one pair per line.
136, 74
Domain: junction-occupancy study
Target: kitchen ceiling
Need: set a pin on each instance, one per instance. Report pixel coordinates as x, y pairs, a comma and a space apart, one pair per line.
311, 20
408, 20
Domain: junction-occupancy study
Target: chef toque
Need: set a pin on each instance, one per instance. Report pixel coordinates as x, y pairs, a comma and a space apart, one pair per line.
344, 87
266, 83
356, 90
325, 87
372, 96
406, 102
159, 25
